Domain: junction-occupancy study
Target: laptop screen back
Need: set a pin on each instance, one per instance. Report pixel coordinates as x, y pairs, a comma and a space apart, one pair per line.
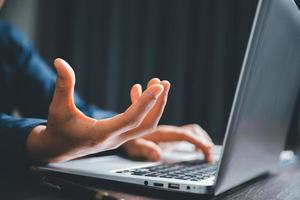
265, 96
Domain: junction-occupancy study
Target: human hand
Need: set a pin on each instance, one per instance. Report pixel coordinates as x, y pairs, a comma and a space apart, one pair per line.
70, 134
147, 147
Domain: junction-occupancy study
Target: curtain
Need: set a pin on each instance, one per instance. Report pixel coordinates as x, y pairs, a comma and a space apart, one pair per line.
198, 45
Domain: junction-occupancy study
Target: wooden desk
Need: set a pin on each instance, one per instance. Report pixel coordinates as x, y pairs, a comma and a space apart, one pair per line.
285, 184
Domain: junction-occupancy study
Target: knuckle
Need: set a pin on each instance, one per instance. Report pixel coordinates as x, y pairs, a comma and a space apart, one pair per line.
208, 147
149, 128
54, 112
60, 86
181, 135
186, 133
153, 97
196, 126
132, 122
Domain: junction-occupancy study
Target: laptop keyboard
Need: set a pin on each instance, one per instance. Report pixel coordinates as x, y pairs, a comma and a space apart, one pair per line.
195, 170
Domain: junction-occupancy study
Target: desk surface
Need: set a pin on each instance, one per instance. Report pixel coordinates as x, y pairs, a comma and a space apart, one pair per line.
284, 184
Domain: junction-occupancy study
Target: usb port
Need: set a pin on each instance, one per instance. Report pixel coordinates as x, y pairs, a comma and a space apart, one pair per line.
173, 186
158, 184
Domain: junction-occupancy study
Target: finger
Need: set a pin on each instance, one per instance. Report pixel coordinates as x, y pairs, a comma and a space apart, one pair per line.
198, 130
135, 93
153, 117
64, 88
168, 134
161, 102
143, 149
153, 81
158, 110
136, 90
134, 115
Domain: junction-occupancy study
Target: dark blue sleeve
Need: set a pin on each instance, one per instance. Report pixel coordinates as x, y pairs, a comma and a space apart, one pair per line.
26, 84
14, 132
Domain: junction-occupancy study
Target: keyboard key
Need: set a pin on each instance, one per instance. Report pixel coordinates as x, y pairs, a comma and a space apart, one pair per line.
188, 170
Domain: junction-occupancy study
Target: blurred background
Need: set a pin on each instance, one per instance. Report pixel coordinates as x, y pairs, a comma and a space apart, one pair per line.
198, 45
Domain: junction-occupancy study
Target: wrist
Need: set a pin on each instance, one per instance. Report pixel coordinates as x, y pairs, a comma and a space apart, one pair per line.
35, 143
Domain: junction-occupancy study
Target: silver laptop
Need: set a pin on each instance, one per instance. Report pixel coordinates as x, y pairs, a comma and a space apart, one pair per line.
257, 127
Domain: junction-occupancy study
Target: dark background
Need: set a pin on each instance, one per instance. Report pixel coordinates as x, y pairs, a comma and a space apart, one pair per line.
198, 45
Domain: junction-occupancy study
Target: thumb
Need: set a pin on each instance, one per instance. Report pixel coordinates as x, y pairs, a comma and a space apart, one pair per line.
64, 89
141, 148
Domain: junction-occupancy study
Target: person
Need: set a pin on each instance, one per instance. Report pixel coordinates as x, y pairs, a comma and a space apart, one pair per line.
57, 125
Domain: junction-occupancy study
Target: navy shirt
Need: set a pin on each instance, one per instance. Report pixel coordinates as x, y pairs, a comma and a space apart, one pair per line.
26, 84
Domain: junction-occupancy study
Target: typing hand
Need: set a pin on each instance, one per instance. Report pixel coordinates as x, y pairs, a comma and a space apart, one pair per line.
70, 134
147, 146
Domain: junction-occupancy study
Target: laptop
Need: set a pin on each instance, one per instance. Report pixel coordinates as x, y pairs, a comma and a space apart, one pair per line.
257, 126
